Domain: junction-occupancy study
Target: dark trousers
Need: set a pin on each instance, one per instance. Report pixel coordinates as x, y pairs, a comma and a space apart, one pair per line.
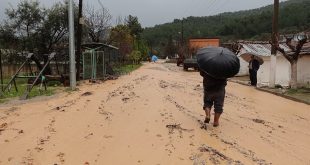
253, 77
214, 97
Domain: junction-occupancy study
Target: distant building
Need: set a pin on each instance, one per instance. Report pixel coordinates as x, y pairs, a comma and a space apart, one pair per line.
283, 67
197, 43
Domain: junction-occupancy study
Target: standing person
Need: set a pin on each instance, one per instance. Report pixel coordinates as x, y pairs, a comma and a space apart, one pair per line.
253, 68
214, 94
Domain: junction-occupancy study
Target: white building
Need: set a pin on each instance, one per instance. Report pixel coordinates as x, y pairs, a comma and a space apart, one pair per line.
283, 67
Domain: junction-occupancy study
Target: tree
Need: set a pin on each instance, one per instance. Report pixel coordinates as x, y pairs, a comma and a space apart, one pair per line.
54, 28
293, 55
37, 29
98, 23
170, 48
7, 37
8, 45
120, 37
133, 24
142, 46
135, 56
26, 20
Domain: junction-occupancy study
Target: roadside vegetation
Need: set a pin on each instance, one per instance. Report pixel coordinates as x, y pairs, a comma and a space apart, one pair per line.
125, 69
52, 87
300, 94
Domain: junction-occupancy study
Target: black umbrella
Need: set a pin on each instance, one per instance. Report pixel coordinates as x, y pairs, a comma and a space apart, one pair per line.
218, 62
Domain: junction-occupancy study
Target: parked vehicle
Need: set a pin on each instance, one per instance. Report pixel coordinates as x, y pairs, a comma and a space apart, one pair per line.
190, 63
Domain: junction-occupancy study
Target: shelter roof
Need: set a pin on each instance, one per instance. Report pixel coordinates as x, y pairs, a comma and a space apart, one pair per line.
95, 45
262, 48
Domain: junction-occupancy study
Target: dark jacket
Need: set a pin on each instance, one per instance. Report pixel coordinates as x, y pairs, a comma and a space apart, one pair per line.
210, 83
255, 64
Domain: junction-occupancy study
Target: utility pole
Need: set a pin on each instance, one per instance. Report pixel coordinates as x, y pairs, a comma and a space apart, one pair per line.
79, 40
1, 71
71, 46
182, 33
275, 41
181, 43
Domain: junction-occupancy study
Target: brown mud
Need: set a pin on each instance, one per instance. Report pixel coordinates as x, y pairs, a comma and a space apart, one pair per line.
154, 116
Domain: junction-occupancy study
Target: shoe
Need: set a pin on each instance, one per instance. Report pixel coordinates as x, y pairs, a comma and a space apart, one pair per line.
216, 119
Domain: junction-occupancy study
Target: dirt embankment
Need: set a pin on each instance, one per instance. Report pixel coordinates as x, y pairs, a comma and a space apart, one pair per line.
153, 116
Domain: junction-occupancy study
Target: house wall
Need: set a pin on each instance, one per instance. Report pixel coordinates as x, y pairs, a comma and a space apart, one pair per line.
303, 71
244, 69
244, 66
263, 72
282, 72
283, 69
200, 43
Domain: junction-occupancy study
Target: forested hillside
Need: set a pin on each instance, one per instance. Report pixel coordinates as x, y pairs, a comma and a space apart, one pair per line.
253, 24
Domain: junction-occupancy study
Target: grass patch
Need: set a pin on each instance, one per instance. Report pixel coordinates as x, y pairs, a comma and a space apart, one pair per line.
302, 94
70, 90
125, 69
21, 86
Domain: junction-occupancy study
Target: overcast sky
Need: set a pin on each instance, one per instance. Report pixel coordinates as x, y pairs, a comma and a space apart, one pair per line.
152, 12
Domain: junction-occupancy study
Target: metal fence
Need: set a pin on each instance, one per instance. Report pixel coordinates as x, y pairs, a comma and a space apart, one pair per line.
96, 58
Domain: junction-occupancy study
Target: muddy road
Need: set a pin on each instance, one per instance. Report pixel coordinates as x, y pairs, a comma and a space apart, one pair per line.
153, 116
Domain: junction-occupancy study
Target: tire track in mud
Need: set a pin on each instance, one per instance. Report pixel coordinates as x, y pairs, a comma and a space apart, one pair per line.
239, 103
172, 129
41, 141
215, 155
195, 90
11, 133
185, 111
50, 130
164, 84
72, 102
126, 91
170, 147
270, 132
245, 152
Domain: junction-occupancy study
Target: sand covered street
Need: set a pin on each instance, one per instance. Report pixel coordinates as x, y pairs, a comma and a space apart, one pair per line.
153, 117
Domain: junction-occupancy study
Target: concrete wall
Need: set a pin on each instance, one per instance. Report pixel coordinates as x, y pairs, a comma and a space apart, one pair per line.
303, 71
283, 71
244, 67
263, 72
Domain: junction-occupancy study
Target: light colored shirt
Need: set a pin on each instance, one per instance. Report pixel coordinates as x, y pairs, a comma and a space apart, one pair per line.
250, 64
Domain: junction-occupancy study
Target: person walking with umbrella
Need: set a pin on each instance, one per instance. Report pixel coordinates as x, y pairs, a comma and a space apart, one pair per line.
253, 68
214, 94
216, 65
